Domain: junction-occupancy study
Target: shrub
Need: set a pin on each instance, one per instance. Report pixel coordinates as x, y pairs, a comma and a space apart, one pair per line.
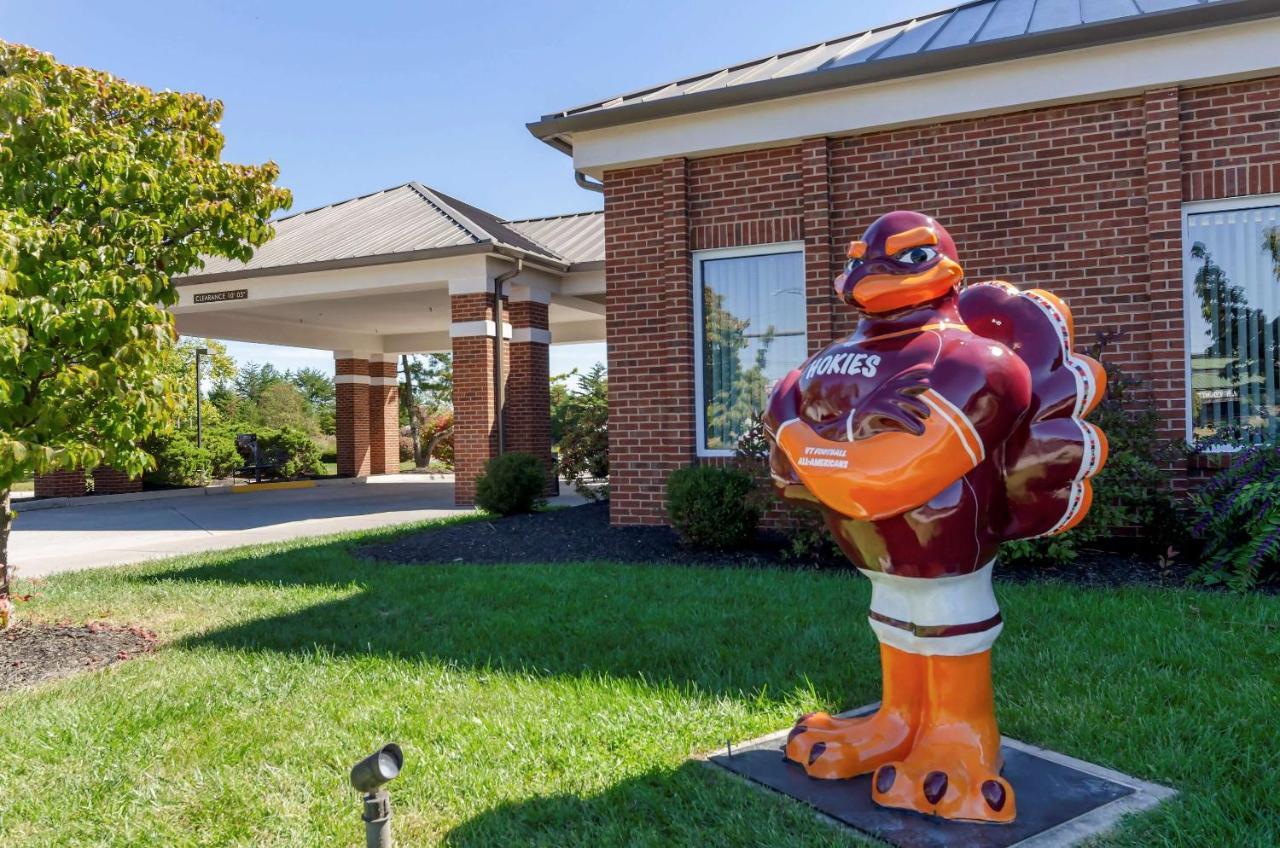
178, 461
436, 436
295, 451
808, 541
713, 507
1237, 515
511, 483
406, 447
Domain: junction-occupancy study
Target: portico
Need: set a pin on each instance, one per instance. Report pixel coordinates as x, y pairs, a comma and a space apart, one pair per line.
410, 270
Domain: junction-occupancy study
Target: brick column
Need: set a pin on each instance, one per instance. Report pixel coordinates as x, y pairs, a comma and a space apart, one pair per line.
819, 270
351, 385
1162, 132
474, 434
384, 415
528, 403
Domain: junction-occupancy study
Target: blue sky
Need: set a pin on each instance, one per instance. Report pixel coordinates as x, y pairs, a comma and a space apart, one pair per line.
349, 98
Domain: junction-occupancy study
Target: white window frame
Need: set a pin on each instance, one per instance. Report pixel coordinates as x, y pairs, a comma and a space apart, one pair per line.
698, 257
1200, 207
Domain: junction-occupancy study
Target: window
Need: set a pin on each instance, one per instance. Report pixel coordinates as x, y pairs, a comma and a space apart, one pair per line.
1232, 270
749, 320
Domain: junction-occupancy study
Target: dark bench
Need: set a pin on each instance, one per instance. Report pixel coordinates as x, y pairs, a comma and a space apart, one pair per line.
257, 460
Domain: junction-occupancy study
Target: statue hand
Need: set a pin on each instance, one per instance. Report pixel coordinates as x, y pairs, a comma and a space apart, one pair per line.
895, 405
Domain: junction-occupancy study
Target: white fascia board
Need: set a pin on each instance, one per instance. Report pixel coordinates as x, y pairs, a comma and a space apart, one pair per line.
334, 283
583, 282
563, 332
1197, 57
247, 327
430, 342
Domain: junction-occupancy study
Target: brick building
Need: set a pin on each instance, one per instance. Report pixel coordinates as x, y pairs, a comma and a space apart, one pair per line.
1122, 153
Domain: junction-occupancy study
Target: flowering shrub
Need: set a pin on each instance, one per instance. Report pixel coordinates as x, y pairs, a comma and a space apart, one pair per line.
1238, 518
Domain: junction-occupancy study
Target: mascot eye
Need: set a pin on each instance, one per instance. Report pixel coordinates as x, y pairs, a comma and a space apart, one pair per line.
852, 265
916, 255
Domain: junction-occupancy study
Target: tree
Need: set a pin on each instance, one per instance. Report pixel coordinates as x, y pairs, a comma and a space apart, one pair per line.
253, 379
282, 405
179, 365
583, 445
107, 190
321, 397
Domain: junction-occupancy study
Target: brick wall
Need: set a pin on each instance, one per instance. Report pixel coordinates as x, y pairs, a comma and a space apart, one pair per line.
527, 407
61, 484
74, 484
474, 435
384, 416
351, 387
1084, 200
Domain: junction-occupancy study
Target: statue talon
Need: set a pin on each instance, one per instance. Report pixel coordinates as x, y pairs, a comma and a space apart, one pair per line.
948, 423
846, 747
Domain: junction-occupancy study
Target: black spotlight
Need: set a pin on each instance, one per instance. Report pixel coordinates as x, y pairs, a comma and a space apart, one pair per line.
368, 776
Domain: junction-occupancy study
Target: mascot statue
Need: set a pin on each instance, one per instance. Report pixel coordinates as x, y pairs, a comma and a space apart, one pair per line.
949, 422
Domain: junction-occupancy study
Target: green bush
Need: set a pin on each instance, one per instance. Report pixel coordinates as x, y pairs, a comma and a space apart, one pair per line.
713, 507
295, 451
1237, 516
808, 540
178, 461
511, 483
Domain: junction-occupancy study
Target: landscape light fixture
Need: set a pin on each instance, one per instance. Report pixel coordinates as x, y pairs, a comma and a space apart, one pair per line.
368, 776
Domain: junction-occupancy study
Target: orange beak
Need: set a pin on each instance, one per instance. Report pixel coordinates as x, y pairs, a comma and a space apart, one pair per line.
890, 292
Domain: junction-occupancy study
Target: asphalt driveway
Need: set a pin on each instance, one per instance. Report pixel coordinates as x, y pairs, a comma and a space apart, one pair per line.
48, 541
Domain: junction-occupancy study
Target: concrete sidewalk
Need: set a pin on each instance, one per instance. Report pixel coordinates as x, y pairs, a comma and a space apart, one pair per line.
92, 535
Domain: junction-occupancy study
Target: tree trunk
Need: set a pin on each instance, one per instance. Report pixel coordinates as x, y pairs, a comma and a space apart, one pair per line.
6, 604
431, 446
413, 411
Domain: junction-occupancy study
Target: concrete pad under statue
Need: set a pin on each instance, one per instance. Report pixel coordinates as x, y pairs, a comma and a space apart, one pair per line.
1062, 801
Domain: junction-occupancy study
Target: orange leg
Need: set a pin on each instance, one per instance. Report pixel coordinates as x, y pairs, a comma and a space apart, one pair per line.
833, 748
953, 770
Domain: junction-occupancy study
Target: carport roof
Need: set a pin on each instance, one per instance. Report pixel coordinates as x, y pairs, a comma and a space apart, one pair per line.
974, 33
409, 221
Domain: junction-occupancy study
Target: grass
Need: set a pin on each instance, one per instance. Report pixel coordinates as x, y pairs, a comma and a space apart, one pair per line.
331, 468
559, 706
27, 485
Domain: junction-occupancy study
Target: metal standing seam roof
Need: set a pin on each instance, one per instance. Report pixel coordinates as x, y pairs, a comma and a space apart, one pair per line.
970, 34
409, 221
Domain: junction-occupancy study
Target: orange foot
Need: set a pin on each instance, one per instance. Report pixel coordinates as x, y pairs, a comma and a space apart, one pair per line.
953, 770
832, 748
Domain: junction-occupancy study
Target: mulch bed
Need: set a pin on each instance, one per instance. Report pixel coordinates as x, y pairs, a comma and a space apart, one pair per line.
583, 534
30, 654
577, 534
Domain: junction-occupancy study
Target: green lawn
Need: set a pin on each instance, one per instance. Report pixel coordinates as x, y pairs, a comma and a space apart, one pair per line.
559, 706
331, 468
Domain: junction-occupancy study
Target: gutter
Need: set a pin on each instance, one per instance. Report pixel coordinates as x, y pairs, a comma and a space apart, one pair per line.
551, 128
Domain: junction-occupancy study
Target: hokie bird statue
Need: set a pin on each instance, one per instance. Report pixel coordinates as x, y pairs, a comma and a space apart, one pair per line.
949, 422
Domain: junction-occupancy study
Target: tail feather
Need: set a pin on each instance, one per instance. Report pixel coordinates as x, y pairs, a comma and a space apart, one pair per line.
1049, 460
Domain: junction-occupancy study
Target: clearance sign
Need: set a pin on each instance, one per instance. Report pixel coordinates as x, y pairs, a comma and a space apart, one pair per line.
221, 296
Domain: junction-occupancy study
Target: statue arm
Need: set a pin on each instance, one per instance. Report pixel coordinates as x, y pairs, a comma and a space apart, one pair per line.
917, 434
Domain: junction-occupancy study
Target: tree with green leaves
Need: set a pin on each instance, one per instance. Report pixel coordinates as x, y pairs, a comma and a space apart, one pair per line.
582, 445
179, 365
107, 191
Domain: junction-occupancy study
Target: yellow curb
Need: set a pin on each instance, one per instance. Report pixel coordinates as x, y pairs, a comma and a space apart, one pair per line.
245, 488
